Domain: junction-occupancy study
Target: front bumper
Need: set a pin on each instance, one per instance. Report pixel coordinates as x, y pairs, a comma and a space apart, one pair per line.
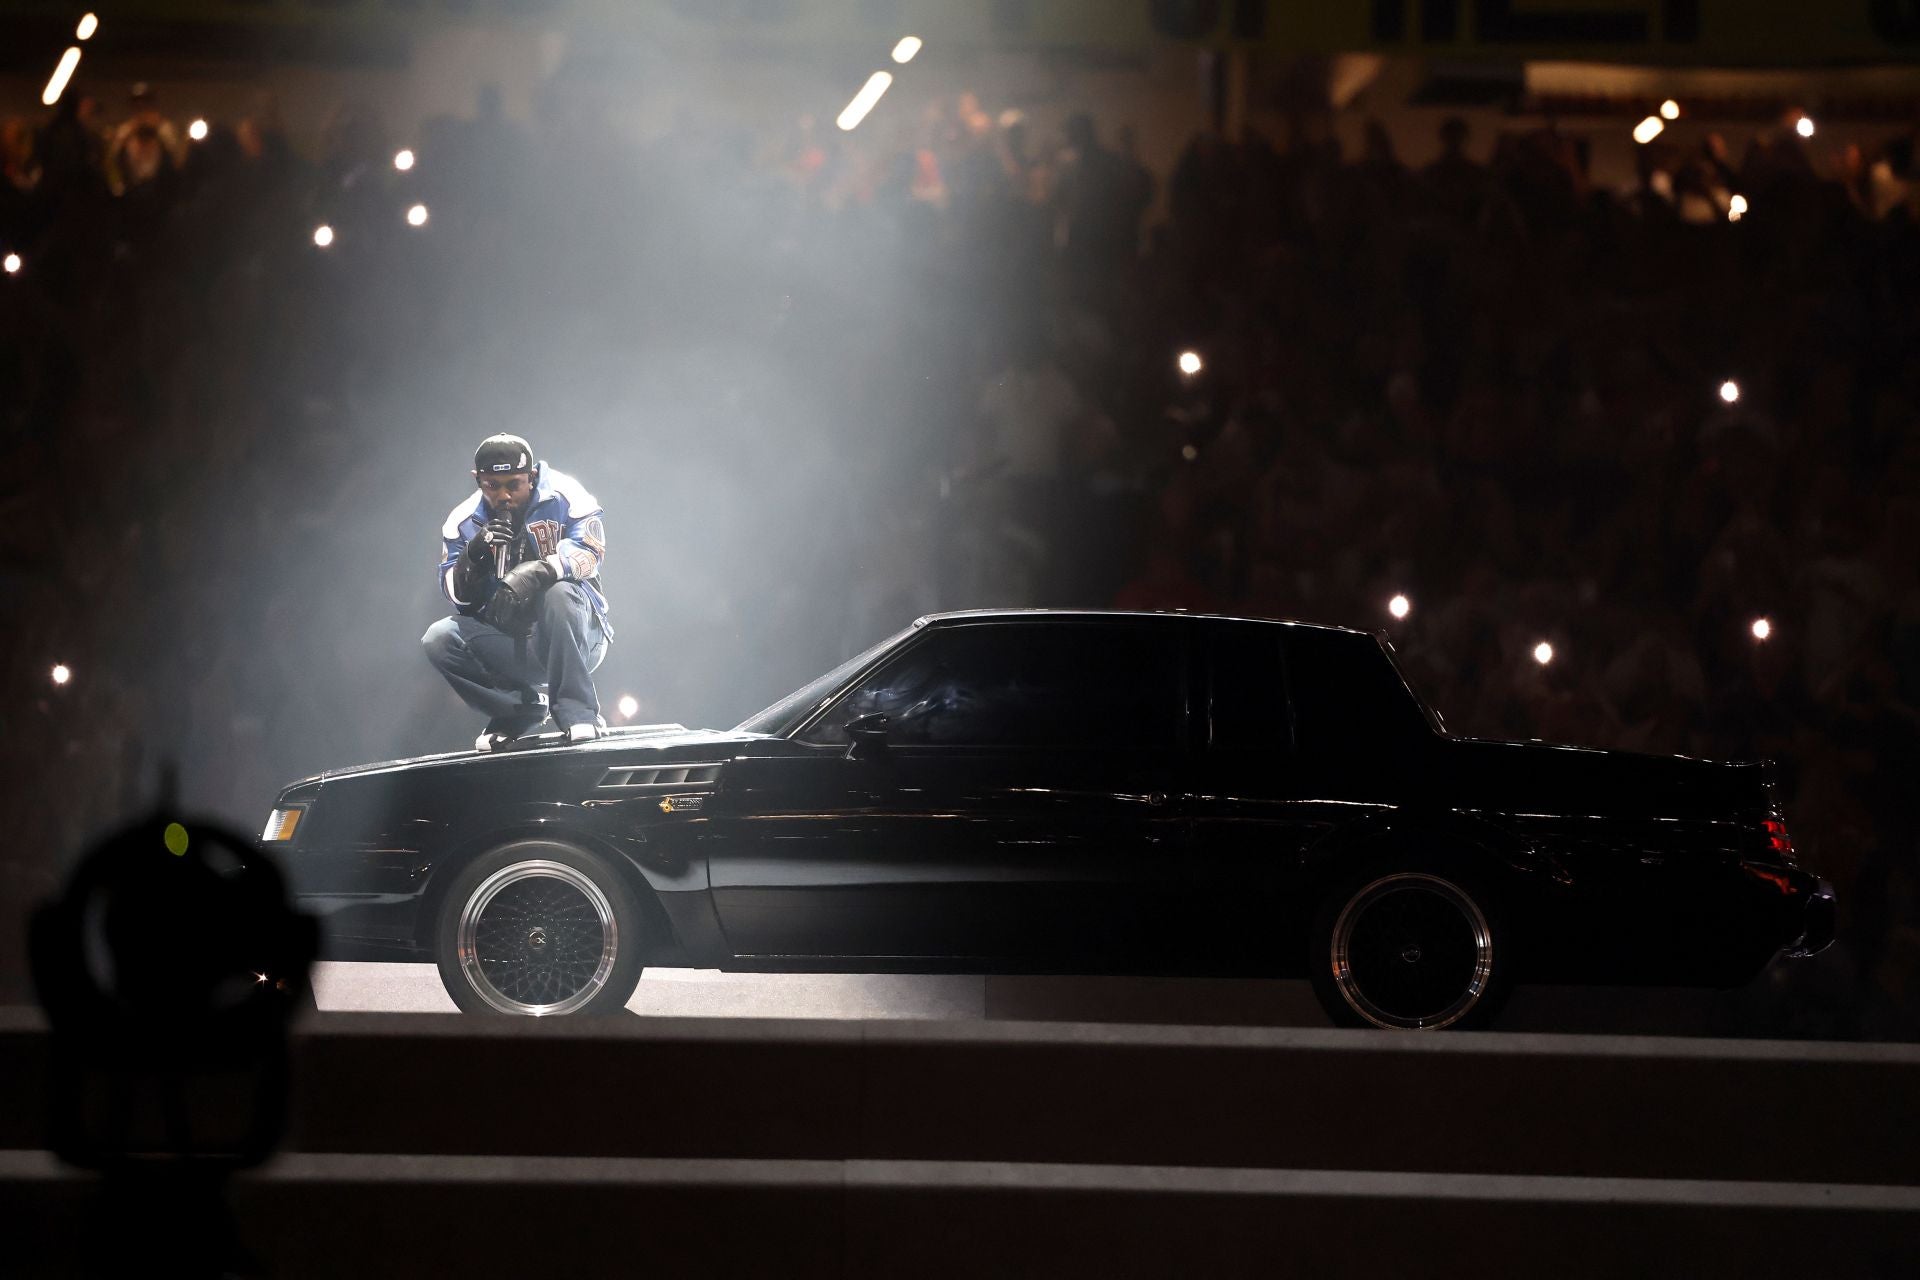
1817, 920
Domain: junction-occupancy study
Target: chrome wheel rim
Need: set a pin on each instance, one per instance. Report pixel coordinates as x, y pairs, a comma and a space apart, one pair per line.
537, 938
1412, 952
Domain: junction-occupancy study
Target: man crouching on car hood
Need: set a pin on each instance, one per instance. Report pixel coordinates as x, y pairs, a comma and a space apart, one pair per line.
521, 565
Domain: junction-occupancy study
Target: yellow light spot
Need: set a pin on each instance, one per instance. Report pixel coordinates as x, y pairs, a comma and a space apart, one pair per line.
176, 838
666, 804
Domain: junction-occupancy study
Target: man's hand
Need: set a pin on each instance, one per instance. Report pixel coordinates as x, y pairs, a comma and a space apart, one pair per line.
517, 598
497, 533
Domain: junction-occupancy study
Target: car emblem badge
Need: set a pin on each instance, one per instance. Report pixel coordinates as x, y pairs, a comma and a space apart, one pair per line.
682, 804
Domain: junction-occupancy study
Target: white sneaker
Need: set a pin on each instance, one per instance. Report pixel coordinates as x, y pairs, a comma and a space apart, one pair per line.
586, 731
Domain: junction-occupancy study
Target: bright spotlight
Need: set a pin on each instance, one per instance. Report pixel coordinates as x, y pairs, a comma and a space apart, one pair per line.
1730, 391
1189, 363
629, 706
1649, 129
1762, 628
1804, 126
1543, 653
197, 131
1736, 208
1399, 606
417, 216
403, 159
62, 73
864, 100
88, 25
1670, 110
904, 51
323, 235
12, 263
60, 673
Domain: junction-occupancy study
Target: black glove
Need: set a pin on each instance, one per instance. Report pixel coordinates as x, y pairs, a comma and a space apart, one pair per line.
497, 533
517, 598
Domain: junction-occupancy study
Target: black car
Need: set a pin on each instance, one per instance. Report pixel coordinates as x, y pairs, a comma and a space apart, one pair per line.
1034, 791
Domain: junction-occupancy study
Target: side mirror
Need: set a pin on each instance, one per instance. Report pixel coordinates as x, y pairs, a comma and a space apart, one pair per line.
867, 735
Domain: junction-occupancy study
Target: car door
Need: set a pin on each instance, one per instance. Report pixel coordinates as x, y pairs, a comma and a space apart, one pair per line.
1018, 816
1258, 801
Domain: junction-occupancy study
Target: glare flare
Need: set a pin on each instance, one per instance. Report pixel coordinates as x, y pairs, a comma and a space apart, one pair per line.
864, 101
62, 73
904, 51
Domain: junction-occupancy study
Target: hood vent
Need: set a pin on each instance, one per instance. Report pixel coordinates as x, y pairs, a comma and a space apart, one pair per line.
665, 775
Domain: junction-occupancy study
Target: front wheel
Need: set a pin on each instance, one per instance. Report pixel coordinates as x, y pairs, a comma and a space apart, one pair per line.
1409, 950
538, 928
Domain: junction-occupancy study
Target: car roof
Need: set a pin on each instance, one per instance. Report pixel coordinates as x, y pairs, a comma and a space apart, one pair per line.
1082, 615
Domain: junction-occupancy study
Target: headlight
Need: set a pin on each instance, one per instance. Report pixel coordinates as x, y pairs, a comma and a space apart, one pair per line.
281, 824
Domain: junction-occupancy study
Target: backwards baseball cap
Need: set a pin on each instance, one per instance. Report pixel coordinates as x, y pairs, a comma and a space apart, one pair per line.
502, 453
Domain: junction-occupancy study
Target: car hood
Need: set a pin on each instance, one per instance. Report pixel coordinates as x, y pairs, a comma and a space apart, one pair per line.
646, 742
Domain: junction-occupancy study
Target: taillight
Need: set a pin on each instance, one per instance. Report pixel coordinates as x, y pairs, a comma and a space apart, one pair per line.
1778, 838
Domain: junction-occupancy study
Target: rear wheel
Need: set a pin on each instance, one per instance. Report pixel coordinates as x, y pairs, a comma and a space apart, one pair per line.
536, 929
1409, 950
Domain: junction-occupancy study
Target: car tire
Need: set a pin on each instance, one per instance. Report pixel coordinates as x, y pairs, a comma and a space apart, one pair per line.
1405, 948
538, 928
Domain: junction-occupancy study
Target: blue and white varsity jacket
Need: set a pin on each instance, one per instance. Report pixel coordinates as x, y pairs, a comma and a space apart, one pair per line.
564, 526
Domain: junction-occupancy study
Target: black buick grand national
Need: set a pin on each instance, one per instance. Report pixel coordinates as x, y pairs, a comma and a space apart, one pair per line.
1063, 792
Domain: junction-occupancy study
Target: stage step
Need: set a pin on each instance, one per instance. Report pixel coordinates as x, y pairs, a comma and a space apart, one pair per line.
331, 1215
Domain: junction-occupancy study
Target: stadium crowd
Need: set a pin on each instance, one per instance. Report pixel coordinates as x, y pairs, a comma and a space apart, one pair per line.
825, 382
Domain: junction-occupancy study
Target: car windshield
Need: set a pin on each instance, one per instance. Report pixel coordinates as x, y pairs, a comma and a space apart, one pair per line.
785, 715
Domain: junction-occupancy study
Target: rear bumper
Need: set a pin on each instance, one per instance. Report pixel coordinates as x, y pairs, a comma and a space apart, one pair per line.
1817, 919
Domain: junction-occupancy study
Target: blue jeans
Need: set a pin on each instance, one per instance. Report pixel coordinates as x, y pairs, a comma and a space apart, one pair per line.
485, 666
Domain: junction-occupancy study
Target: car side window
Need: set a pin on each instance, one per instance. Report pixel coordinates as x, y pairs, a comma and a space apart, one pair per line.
1348, 700
1247, 699
1083, 685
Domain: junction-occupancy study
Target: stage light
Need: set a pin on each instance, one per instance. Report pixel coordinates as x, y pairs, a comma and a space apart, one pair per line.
1804, 126
60, 673
1761, 628
1736, 208
864, 101
629, 706
417, 216
88, 25
1649, 129
11, 263
323, 235
403, 159
197, 131
1730, 391
1190, 453
1543, 653
1399, 606
1189, 363
904, 51
1670, 109
57, 82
